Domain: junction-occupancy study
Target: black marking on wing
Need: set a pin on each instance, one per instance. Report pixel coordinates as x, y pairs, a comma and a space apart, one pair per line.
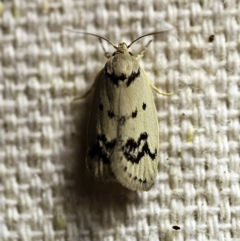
115, 79
132, 77
102, 149
135, 150
122, 119
142, 181
135, 178
144, 105
111, 114
100, 107
134, 113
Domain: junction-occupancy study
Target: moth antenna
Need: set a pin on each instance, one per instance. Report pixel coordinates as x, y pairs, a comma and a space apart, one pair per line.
153, 33
92, 34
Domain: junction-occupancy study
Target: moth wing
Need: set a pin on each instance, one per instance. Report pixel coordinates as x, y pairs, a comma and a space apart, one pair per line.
134, 159
102, 132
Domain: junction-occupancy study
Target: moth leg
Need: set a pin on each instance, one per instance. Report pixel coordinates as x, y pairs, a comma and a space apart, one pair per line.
93, 85
141, 54
155, 88
106, 54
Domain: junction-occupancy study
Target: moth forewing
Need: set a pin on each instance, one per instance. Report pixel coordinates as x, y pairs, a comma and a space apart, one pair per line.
99, 147
134, 161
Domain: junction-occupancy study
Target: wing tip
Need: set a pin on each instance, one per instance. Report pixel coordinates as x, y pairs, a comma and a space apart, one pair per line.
135, 182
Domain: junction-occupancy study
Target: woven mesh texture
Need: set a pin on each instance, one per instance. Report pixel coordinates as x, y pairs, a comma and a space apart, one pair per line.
46, 193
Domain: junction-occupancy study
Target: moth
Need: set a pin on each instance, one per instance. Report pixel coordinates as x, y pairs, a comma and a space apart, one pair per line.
123, 130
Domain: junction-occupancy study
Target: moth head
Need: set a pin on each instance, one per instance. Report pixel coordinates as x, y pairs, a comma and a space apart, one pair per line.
123, 45
121, 49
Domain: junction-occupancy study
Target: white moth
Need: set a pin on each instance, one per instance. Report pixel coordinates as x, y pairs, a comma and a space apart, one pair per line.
123, 131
